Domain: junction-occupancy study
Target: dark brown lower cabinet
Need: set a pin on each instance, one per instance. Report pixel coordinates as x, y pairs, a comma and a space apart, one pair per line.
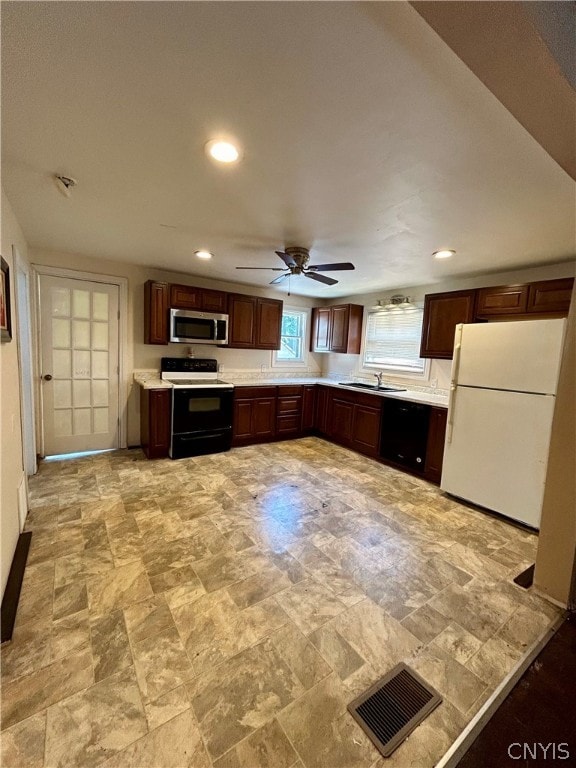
155, 406
254, 419
353, 419
366, 429
340, 417
321, 409
308, 407
288, 411
435, 446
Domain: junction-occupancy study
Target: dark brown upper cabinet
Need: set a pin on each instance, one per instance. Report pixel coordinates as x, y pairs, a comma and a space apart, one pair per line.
255, 323
550, 296
156, 309
442, 313
202, 299
501, 300
268, 323
337, 329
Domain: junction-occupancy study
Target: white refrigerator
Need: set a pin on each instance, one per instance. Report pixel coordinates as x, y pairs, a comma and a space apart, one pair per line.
502, 394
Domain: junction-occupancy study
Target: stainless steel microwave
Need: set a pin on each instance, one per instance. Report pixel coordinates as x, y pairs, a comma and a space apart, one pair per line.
198, 327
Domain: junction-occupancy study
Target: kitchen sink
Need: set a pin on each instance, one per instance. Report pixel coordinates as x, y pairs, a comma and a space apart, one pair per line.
373, 387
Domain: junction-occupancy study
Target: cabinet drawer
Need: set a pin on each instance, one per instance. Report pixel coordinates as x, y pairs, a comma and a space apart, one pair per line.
289, 389
240, 393
289, 404
287, 424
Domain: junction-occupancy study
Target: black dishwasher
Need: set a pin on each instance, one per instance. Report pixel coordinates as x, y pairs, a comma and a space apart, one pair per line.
405, 433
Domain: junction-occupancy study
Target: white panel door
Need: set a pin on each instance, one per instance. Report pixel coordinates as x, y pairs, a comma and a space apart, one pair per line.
522, 355
79, 351
497, 453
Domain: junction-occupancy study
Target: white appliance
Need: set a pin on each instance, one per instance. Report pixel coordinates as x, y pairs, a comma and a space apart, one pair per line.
502, 394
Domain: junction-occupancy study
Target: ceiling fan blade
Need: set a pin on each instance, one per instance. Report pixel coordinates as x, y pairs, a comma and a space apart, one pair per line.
273, 269
279, 279
286, 258
331, 267
321, 278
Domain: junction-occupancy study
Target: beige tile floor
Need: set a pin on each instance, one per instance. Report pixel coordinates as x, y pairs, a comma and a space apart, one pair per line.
223, 610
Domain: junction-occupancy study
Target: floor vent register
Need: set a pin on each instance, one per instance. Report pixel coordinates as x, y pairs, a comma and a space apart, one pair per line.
391, 708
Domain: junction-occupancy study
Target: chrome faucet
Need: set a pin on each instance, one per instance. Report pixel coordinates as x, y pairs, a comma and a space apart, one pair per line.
379, 379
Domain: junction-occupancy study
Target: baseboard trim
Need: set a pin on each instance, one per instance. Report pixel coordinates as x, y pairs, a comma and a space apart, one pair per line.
13, 587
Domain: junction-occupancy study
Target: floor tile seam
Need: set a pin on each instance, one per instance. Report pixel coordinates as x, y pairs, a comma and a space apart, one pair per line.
496, 634
133, 657
492, 637
57, 702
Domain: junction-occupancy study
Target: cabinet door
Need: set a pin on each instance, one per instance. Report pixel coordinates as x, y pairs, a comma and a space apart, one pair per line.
185, 297
308, 407
242, 422
320, 337
155, 422
155, 313
264, 418
340, 415
321, 409
268, 323
442, 312
501, 300
366, 429
242, 330
435, 446
339, 329
550, 295
213, 301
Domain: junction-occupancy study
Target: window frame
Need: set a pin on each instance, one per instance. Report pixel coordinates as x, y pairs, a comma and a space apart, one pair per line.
390, 371
302, 362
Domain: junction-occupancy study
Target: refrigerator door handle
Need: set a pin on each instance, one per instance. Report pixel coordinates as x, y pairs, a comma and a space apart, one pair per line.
451, 402
454, 383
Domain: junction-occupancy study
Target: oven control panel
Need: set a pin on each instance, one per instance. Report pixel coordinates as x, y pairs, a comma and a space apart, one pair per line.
188, 365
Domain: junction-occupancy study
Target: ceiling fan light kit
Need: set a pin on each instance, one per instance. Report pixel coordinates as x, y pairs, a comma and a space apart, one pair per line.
296, 260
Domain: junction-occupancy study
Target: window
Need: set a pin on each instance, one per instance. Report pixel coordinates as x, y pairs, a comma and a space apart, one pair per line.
392, 341
292, 339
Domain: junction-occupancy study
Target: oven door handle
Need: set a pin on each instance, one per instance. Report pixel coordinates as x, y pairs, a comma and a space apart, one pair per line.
198, 436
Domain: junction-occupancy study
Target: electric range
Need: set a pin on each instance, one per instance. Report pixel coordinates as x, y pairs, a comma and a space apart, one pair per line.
201, 407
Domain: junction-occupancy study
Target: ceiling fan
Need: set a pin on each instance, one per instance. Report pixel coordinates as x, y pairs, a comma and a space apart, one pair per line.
296, 260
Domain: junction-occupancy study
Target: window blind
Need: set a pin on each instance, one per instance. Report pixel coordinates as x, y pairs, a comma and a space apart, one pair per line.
393, 340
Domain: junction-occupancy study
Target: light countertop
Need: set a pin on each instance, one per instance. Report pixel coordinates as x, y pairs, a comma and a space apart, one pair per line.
149, 380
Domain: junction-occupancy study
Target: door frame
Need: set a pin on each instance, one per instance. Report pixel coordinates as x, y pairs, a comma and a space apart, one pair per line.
23, 301
74, 274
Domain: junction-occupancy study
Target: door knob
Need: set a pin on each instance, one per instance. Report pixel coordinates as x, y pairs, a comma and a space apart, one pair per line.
48, 377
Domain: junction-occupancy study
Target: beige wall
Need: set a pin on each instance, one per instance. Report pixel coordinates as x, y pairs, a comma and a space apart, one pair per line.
439, 372
140, 356
11, 464
557, 543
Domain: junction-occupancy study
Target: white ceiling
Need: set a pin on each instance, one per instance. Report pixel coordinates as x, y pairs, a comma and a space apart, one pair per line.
365, 139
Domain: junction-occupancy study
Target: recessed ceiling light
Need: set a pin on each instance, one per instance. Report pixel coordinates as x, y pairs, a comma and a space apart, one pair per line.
445, 253
222, 151
203, 254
